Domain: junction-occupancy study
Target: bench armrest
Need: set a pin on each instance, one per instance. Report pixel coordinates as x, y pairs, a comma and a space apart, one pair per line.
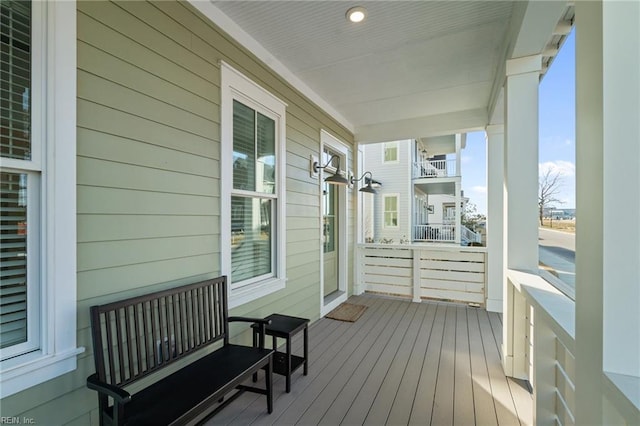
119, 395
261, 321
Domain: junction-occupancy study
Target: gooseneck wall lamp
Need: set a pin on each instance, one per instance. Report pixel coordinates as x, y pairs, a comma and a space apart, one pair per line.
338, 177
367, 188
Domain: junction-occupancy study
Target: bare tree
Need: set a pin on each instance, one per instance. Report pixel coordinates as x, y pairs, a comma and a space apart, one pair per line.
549, 186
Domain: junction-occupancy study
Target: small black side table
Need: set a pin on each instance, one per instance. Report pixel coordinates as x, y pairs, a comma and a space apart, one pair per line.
286, 327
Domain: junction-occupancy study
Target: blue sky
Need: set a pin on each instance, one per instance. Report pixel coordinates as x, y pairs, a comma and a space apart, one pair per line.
556, 134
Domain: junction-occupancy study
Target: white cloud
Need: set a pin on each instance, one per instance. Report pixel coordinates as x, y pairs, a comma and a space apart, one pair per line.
565, 168
479, 189
568, 142
466, 159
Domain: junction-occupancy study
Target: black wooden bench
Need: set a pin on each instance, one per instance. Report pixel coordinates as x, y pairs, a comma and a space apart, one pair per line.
186, 328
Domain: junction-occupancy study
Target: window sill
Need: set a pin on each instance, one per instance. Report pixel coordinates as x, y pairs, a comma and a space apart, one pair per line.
20, 373
245, 294
624, 393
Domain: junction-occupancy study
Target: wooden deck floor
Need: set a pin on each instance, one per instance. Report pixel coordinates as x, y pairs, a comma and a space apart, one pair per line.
401, 363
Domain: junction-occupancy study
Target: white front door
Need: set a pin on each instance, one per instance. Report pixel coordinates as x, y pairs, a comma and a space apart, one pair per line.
333, 265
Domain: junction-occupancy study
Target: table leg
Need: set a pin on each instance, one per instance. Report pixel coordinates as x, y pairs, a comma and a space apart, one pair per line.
255, 345
306, 351
288, 366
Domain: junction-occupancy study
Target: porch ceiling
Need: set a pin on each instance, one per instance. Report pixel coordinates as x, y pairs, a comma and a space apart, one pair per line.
411, 69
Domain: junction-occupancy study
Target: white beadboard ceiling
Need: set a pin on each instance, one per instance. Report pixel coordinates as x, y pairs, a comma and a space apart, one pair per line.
409, 60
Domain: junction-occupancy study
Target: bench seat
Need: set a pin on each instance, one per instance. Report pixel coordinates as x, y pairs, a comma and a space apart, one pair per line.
201, 382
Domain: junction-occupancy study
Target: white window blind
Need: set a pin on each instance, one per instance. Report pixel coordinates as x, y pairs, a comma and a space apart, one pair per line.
15, 79
13, 260
15, 143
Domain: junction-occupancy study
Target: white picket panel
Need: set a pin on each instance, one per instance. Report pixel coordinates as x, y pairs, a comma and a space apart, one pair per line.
449, 273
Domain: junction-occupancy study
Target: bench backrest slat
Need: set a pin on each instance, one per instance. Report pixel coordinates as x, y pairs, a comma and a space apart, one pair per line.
132, 338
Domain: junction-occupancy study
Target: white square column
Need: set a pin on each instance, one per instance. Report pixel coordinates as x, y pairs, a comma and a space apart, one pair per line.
496, 243
521, 135
521, 171
608, 204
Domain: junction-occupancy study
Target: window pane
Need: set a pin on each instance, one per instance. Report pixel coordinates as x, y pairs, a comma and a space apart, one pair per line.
251, 233
13, 259
329, 218
15, 80
390, 152
390, 203
266, 155
244, 147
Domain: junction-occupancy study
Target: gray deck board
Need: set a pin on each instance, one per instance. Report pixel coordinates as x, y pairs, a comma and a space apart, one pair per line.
463, 394
430, 363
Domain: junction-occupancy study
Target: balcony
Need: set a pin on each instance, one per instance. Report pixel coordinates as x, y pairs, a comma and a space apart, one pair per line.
444, 233
400, 363
435, 169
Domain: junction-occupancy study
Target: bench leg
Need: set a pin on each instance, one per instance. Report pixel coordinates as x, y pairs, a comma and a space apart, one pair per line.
269, 385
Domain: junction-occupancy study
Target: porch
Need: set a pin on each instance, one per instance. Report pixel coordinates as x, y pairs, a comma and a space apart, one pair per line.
400, 363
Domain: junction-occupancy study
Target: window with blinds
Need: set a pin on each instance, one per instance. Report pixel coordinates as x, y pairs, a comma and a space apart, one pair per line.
390, 211
19, 185
15, 79
253, 198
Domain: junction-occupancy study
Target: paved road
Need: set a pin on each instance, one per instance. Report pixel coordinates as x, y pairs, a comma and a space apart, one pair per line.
562, 244
557, 250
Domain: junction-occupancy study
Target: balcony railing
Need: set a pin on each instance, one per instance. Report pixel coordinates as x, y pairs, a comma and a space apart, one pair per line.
434, 169
435, 232
468, 236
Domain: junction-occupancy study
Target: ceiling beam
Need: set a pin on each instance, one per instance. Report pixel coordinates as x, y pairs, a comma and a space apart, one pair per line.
419, 127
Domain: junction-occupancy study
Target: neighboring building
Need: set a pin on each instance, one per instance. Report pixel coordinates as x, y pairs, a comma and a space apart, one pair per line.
420, 199
559, 214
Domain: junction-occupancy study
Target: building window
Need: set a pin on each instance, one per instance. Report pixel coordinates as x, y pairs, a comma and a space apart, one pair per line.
253, 239
390, 211
390, 152
38, 190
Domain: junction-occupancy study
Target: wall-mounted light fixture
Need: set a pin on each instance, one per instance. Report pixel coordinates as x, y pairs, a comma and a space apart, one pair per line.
336, 179
367, 188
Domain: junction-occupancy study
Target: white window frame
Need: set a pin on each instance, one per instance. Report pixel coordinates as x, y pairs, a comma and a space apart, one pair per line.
390, 145
384, 211
235, 86
54, 139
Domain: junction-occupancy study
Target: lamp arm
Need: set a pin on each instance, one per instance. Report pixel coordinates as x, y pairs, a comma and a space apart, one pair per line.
317, 166
353, 179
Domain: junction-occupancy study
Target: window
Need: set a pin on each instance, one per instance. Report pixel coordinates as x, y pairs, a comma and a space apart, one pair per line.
390, 152
390, 211
253, 240
38, 178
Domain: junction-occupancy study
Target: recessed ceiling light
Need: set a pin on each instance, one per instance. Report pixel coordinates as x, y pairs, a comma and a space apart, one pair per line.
356, 14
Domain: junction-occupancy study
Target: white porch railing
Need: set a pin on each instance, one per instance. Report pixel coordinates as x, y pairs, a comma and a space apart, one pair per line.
541, 323
434, 168
435, 232
469, 236
446, 273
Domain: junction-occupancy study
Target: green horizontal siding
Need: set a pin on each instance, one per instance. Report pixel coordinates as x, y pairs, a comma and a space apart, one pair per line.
149, 175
